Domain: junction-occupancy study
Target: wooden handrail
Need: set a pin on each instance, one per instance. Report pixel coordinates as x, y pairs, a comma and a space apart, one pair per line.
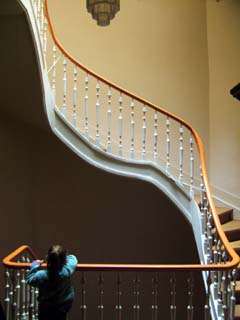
230, 250
9, 263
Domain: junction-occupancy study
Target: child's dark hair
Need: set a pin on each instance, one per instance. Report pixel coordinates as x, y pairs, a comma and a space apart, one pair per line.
56, 258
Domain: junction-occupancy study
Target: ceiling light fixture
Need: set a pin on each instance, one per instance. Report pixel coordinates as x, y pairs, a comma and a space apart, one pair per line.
103, 10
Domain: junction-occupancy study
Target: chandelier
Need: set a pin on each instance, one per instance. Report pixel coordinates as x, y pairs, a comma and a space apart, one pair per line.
103, 10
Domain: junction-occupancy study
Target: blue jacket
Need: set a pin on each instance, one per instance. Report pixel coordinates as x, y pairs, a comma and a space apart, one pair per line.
57, 293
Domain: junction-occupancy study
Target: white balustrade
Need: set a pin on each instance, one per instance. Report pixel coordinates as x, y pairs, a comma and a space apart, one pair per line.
97, 113
144, 132
168, 145
191, 166
74, 115
120, 126
155, 137
132, 129
86, 106
64, 105
109, 121
181, 130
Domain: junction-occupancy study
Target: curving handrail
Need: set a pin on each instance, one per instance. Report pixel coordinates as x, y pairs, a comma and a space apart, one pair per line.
9, 262
234, 257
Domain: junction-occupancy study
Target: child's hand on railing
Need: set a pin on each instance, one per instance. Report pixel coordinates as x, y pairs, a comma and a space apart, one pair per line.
37, 262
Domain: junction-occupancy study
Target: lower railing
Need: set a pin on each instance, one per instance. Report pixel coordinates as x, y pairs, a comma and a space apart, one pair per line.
129, 291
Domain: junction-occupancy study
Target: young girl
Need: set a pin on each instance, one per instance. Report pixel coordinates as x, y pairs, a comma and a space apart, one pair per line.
55, 290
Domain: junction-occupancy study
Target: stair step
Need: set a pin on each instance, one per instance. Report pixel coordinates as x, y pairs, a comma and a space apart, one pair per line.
232, 230
225, 214
237, 312
236, 246
237, 293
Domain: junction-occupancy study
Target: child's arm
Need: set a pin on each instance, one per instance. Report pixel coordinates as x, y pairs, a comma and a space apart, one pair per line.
70, 265
34, 276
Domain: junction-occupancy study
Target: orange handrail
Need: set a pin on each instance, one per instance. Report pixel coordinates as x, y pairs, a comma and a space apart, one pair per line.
231, 252
9, 263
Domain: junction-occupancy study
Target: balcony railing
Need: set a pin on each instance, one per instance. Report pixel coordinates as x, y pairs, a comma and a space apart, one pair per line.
132, 290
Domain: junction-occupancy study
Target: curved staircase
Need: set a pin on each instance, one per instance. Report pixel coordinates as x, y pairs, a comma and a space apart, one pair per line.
122, 133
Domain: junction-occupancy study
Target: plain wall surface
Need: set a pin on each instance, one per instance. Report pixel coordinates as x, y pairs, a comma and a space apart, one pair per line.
224, 71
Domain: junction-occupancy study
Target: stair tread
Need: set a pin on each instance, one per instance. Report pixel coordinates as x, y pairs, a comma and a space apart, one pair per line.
238, 285
235, 244
237, 310
231, 225
222, 210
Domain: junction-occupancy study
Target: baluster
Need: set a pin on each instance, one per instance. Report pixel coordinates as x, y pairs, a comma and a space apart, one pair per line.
35, 7
97, 113
136, 294
42, 16
215, 275
23, 293
39, 15
74, 115
118, 306
210, 238
109, 116
64, 106
205, 210
28, 294
31, 307
155, 284
45, 38
18, 294
13, 295
181, 155
155, 137
233, 297
7, 294
36, 303
144, 133
173, 308
168, 145
207, 303
83, 306
132, 129
190, 306
219, 305
202, 196
86, 106
225, 284
229, 291
120, 126
54, 74
101, 293
191, 166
